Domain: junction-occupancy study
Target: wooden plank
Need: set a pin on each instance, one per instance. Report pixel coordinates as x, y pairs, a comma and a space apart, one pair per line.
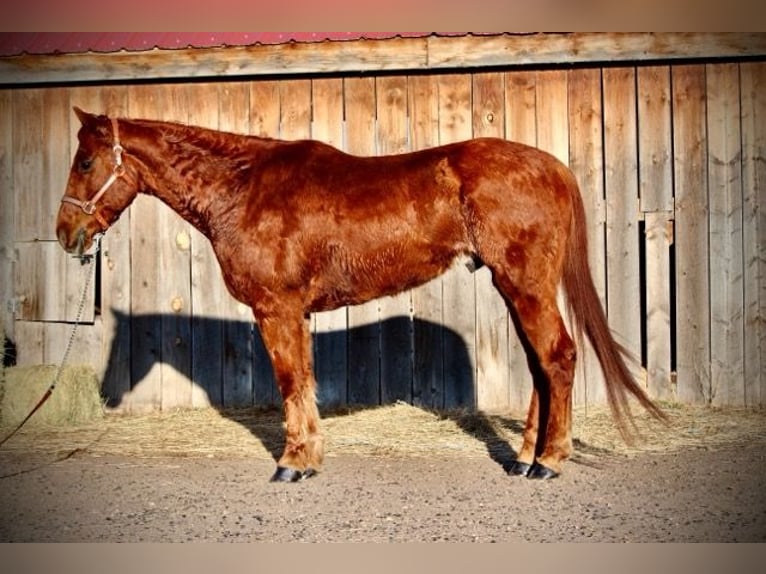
546, 48
458, 289
655, 183
40, 173
264, 108
586, 161
38, 298
58, 129
41, 343
209, 296
658, 232
330, 327
327, 110
146, 235
492, 318
30, 348
7, 215
174, 288
691, 234
55, 338
293, 118
428, 333
726, 263
654, 138
363, 324
73, 281
552, 127
520, 107
295, 109
552, 119
291, 58
520, 126
56, 158
396, 324
239, 359
753, 77
391, 112
42, 298
28, 156
378, 55
552, 114
265, 120
115, 258
621, 188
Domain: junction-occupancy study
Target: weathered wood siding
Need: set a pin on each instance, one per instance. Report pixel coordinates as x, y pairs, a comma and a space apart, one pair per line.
670, 158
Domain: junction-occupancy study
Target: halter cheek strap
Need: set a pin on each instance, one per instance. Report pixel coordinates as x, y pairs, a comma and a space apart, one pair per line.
89, 206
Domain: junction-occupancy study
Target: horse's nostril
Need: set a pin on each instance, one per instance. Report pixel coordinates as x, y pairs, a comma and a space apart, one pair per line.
63, 239
71, 242
80, 248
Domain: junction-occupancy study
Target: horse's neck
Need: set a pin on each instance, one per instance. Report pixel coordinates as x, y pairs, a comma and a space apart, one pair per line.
183, 167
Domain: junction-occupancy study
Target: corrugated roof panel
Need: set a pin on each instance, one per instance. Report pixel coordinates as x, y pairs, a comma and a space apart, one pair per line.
17, 43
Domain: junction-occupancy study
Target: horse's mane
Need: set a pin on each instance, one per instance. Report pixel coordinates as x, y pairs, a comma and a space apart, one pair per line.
194, 136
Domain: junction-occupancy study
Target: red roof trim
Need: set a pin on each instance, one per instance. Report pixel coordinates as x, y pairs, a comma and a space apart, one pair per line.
18, 43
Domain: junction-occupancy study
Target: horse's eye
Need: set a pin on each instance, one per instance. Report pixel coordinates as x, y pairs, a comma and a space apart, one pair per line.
86, 164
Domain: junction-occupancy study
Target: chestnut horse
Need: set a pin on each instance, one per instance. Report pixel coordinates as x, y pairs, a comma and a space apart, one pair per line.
300, 227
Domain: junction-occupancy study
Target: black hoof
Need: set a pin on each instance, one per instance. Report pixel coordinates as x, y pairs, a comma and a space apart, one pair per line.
284, 474
519, 468
538, 471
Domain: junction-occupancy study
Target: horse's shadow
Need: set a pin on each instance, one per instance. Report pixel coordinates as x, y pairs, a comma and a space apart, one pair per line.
433, 372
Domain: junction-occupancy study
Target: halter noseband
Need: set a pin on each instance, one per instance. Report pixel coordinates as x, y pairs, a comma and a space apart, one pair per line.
89, 205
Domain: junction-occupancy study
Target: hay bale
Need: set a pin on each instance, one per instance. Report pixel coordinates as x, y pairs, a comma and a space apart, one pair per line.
76, 400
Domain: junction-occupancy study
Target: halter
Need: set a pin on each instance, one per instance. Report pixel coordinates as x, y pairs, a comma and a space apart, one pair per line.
89, 206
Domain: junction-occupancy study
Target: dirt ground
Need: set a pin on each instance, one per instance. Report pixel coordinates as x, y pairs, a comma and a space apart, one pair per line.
410, 483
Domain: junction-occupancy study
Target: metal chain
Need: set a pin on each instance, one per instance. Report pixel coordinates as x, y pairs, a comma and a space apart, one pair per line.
90, 260
84, 260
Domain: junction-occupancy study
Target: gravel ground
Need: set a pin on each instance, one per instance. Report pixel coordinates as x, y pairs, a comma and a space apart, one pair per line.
699, 495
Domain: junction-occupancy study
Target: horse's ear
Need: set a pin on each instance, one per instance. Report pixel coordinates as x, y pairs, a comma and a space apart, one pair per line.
84, 117
94, 123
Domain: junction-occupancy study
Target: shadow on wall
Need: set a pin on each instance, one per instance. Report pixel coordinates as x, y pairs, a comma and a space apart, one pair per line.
397, 359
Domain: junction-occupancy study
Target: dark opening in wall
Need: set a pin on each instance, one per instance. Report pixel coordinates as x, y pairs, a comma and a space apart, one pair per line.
643, 296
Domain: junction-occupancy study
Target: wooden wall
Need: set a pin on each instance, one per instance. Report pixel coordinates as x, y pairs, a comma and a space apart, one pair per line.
670, 159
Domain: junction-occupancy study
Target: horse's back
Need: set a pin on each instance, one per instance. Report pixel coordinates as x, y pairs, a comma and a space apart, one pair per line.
354, 228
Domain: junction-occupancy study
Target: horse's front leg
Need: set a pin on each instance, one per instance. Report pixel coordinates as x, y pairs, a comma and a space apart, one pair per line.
288, 341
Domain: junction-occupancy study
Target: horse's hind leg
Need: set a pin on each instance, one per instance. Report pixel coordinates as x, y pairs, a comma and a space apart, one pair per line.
526, 457
547, 435
288, 341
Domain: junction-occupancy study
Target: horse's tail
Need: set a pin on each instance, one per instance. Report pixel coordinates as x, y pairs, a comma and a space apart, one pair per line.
589, 318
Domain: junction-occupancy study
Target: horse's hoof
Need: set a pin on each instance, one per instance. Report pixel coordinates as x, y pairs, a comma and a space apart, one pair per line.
284, 474
519, 468
538, 471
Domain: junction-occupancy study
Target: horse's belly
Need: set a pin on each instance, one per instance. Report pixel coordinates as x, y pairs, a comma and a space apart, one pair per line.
353, 280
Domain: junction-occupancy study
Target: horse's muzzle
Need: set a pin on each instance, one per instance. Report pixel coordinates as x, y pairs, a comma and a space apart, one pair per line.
74, 243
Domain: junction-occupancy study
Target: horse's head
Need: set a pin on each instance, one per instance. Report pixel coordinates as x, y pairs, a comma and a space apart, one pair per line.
98, 189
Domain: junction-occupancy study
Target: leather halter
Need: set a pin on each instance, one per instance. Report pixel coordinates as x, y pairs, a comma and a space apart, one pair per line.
89, 205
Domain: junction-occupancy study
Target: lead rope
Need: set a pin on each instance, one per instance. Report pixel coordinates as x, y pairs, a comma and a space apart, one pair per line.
84, 260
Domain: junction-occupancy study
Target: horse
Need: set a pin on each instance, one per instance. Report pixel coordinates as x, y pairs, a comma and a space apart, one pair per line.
300, 227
